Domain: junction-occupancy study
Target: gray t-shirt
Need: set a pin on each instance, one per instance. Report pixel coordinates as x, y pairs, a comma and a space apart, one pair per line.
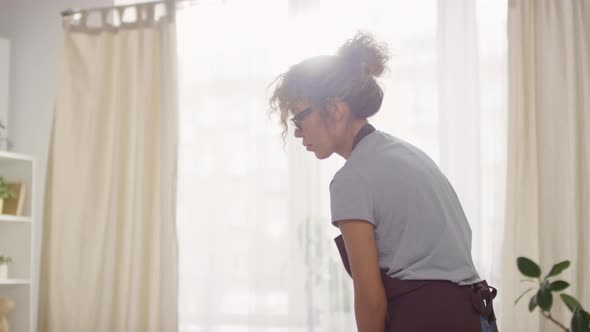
421, 230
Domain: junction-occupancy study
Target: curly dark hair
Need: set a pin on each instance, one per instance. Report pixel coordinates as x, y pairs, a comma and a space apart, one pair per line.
349, 76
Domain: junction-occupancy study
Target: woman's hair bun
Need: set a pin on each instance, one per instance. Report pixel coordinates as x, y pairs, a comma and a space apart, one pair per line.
364, 51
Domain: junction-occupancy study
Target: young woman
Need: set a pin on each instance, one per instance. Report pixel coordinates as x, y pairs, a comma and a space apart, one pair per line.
405, 239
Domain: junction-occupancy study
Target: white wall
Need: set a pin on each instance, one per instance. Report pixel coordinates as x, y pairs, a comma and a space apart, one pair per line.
4, 79
34, 29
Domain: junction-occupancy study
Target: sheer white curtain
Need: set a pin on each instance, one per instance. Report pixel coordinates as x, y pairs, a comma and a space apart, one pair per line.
256, 250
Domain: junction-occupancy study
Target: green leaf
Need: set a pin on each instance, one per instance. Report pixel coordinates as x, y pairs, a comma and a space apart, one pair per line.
586, 316
528, 267
579, 323
533, 303
558, 268
558, 286
523, 294
545, 299
570, 302
5, 259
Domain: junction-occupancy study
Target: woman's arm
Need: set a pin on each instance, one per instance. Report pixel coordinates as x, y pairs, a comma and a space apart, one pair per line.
370, 303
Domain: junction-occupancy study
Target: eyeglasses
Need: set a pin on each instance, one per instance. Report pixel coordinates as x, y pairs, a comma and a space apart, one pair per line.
298, 118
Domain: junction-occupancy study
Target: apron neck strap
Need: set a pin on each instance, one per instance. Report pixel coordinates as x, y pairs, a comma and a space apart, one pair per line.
363, 132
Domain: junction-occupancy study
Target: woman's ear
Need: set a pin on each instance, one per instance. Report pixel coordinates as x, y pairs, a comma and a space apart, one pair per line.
336, 111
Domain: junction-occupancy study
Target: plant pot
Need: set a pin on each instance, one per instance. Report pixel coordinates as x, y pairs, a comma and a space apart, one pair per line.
3, 271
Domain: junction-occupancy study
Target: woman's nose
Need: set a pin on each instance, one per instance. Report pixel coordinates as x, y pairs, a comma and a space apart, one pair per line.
297, 133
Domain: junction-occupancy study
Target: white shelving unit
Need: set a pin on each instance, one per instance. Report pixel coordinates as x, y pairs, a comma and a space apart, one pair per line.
16, 241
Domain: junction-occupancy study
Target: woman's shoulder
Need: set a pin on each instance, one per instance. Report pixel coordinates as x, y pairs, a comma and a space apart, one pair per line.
350, 175
393, 146
376, 147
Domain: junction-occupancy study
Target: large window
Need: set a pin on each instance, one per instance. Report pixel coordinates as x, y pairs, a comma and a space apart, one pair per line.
256, 251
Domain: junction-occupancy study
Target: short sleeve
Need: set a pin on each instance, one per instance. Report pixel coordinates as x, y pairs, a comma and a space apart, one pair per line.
350, 198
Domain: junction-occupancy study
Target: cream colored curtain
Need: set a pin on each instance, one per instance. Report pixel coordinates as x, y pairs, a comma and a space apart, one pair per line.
548, 180
109, 253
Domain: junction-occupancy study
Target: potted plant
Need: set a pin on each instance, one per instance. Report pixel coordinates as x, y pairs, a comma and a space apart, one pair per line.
545, 288
4, 260
5, 193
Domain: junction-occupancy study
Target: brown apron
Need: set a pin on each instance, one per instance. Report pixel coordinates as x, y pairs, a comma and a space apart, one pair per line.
432, 305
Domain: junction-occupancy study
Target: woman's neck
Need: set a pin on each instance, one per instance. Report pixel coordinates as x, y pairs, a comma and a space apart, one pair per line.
345, 148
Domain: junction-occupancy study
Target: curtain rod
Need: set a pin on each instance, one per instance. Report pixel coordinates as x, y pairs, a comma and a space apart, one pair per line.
73, 11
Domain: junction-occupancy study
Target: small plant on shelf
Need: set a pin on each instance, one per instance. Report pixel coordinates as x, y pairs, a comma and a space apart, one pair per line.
4, 260
5, 191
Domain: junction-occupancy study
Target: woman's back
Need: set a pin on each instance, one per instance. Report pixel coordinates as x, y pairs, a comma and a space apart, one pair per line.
421, 231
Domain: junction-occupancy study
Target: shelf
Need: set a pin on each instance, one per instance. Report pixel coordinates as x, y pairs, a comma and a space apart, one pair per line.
18, 219
15, 282
15, 156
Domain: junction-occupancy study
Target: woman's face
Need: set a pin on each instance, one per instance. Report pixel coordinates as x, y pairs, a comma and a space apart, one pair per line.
318, 131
